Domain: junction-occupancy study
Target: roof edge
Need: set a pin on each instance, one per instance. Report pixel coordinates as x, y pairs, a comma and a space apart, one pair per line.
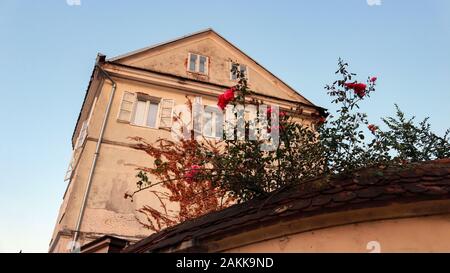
137, 51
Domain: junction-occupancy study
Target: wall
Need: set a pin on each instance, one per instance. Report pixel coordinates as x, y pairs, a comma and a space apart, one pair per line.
415, 234
172, 58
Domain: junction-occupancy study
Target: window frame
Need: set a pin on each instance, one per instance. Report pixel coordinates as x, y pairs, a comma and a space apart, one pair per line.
213, 124
197, 64
246, 71
148, 100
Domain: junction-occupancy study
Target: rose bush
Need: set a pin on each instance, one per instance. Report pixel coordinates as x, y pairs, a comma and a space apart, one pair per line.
207, 175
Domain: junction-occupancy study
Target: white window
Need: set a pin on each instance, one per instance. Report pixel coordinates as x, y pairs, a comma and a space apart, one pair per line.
144, 110
198, 63
212, 122
145, 113
242, 68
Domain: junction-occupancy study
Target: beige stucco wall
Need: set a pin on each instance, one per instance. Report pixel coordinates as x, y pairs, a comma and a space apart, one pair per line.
107, 212
172, 58
417, 234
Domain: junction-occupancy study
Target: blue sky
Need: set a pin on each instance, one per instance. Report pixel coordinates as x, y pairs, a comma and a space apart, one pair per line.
48, 49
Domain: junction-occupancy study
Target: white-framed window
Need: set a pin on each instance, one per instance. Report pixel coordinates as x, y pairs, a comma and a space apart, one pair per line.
212, 122
145, 113
241, 67
198, 63
144, 110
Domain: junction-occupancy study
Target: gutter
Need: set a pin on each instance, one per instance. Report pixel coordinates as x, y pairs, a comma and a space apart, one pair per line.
99, 61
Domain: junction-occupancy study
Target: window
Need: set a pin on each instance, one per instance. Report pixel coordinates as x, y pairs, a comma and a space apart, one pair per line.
212, 122
144, 110
145, 113
198, 63
243, 69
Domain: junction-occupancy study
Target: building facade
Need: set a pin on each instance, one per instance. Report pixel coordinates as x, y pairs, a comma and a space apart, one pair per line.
135, 95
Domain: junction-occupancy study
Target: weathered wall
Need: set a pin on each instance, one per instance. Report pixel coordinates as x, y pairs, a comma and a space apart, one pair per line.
418, 234
172, 59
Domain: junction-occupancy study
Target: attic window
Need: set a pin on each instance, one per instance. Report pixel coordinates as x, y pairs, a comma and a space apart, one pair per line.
198, 64
243, 69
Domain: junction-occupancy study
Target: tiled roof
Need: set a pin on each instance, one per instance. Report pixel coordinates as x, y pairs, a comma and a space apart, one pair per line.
367, 188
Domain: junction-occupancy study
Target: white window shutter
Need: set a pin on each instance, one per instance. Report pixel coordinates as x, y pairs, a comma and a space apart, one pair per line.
126, 107
82, 136
166, 116
197, 116
70, 168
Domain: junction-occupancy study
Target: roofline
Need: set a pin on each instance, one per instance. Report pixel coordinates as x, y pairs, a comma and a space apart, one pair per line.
137, 51
117, 58
113, 240
82, 105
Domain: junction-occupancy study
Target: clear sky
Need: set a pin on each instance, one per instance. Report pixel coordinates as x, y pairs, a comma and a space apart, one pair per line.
48, 48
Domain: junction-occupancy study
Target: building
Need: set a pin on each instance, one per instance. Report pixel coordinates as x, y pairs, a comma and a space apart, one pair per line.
134, 95
404, 209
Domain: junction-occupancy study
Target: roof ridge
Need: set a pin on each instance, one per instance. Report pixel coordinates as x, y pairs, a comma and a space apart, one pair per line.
140, 50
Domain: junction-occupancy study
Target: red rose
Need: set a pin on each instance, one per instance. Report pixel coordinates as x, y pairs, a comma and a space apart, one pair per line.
225, 98
222, 102
372, 128
192, 173
359, 88
228, 95
373, 79
360, 93
322, 120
